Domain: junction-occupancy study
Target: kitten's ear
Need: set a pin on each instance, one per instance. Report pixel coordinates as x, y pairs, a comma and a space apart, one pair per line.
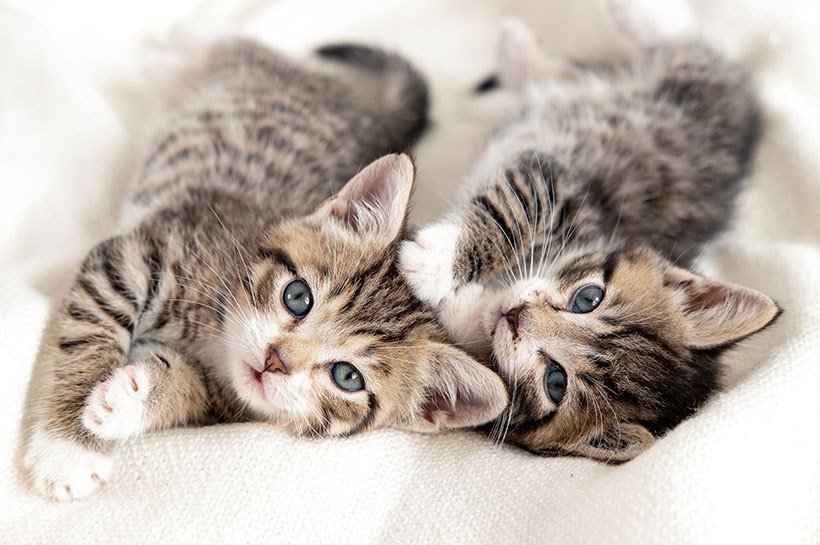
719, 313
458, 392
617, 444
374, 202
520, 56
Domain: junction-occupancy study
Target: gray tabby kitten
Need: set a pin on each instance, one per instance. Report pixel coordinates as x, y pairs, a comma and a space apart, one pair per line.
243, 289
564, 266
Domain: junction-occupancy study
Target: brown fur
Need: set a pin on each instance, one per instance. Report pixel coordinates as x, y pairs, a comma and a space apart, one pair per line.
172, 321
614, 176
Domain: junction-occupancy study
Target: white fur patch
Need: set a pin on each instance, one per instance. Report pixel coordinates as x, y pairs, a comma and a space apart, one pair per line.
115, 408
464, 313
64, 470
427, 262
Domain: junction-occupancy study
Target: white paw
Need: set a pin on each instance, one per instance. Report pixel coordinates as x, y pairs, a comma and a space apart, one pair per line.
64, 470
427, 262
462, 314
650, 23
115, 408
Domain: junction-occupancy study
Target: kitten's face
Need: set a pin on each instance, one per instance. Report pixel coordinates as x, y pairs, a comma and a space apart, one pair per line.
612, 348
325, 337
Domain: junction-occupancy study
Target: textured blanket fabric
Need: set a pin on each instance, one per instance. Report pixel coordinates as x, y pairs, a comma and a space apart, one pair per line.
746, 469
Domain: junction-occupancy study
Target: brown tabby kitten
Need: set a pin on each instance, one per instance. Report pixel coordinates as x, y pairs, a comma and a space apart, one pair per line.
563, 266
243, 288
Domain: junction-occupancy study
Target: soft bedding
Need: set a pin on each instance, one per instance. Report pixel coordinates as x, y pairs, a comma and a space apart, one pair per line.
74, 106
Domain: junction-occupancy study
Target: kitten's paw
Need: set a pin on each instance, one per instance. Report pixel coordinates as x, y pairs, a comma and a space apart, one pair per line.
651, 23
64, 470
461, 313
115, 408
427, 262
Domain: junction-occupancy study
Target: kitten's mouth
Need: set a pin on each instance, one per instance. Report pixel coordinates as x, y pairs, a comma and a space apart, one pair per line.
255, 379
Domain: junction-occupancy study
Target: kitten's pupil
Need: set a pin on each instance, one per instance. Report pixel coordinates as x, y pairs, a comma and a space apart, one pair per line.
587, 299
556, 382
346, 377
297, 298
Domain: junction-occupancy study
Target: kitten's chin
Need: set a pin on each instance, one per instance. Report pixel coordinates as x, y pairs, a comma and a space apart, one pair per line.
273, 398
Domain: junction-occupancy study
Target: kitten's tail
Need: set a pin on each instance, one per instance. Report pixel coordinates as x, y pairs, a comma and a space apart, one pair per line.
391, 88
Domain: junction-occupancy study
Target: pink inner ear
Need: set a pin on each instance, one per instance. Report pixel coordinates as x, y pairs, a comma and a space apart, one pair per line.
368, 201
462, 413
708, 296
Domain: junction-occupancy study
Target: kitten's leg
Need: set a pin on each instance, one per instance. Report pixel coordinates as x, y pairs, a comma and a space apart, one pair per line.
501, 231
464, 313
90, 338
157, 389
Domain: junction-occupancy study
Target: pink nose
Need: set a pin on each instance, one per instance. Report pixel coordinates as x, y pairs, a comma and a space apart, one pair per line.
513, 317
273, 362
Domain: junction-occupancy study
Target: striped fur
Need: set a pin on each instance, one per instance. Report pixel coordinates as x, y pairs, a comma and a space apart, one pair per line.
614, 176
242, 191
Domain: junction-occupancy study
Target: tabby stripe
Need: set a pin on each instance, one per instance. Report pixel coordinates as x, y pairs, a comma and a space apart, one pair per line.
93, 341
153, 261
122, 319
560, 216
524, 202
70, 345
279, 256
496, 216
360, 279
117, 282
610, 264
475, 264
82, 315
372, 407
163, 317
634, 329
532, 424
164, 361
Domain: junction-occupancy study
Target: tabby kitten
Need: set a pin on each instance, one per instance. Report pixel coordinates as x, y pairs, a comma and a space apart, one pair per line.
244, 290
564, 266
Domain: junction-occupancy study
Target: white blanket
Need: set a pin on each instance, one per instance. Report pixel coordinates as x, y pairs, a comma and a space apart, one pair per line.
746, 469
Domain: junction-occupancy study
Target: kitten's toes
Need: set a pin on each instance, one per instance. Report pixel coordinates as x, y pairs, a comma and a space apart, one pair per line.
115, 408
64, 470
427, 262
651, 23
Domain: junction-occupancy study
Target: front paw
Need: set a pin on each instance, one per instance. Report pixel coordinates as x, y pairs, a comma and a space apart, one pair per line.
462, 313
64, 470
116, 408
427, 262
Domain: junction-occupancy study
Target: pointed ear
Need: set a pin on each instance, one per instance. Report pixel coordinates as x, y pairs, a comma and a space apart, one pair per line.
520, 57
719, 313
617, 444
374, 202
458, 392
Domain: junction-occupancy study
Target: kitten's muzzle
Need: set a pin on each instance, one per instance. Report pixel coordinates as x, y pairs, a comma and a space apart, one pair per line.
274, 363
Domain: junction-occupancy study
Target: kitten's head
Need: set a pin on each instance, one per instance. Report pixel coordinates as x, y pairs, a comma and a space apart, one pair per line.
325, 337
611, 348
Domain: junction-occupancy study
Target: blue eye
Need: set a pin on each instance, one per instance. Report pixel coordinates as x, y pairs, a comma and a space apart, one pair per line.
555, 382
297, 298
347, 377
586, 299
